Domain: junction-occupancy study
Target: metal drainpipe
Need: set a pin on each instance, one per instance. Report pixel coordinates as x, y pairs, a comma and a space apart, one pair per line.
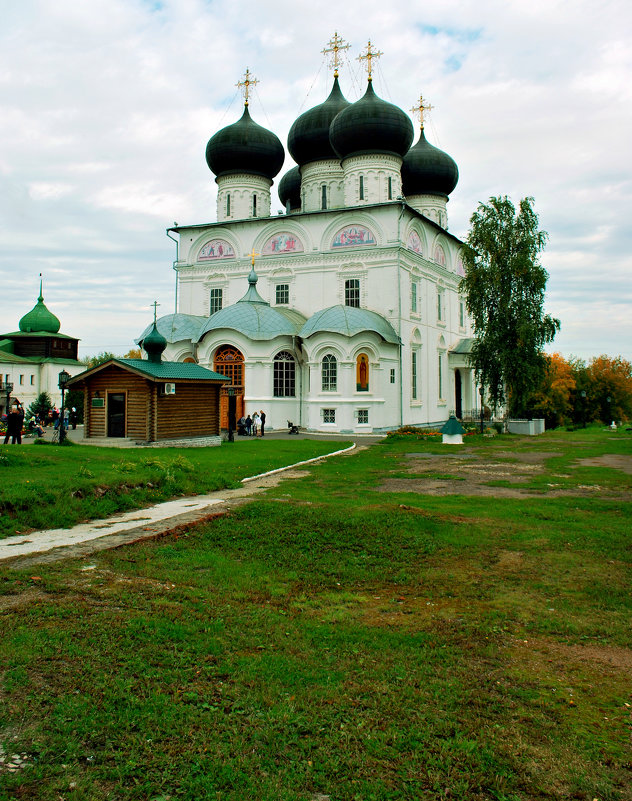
297, 347
174, 265
399, 293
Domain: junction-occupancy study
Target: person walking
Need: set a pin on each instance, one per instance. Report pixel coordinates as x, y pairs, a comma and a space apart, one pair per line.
255, 423
73, 418
248, 426
262, 418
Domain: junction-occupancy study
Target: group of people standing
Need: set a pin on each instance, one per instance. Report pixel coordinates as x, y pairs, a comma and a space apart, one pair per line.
15, 421
254, 426
35, 424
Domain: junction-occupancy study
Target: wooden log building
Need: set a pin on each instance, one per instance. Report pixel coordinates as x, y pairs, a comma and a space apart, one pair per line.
150, 400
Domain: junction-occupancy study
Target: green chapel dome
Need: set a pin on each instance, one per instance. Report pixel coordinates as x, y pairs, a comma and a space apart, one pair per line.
154, 344
253, 317
40, 318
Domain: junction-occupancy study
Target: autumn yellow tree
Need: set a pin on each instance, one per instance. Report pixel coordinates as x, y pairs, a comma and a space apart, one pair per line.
553, 399
609, 391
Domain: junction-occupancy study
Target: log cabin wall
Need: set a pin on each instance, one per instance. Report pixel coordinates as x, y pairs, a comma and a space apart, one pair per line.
192, 412
137, 392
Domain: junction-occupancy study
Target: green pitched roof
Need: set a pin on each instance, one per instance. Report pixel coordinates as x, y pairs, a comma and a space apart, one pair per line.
463, 345
159, 371
171, 371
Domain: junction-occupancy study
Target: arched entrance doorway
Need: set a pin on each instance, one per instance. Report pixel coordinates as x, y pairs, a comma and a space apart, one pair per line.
230, 362
458, 401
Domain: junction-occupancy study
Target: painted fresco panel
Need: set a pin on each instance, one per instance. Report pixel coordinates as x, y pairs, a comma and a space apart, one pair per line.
282, 243
216, 249
353, 236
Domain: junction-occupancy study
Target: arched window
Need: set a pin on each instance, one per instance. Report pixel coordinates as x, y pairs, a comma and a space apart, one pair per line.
330, 373
230, 362
362, 373
284, 375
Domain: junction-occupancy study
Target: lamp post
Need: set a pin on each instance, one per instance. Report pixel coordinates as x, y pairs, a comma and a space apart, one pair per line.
482, 411
63, 380
8, 388
583, 395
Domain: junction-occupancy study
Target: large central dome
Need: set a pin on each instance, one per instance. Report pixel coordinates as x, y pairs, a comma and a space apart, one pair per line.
371, 126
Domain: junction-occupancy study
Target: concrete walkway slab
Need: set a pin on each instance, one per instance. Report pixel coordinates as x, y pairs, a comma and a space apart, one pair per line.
148, 523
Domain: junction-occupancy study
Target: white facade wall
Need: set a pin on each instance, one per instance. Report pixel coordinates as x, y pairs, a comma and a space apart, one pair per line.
315, 274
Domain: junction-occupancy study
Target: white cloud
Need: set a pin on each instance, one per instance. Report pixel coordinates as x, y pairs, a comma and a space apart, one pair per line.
107, 106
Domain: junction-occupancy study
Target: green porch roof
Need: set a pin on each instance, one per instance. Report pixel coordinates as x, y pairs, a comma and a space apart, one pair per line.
157, 371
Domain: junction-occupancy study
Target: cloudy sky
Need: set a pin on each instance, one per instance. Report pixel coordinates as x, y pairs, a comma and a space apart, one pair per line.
106, 108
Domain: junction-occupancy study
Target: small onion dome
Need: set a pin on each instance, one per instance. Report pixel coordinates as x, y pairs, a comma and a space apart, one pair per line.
290, 189
428, 171
308, 139
40, 319
349, 321
154, 344
245, 147
253, 317
371, 126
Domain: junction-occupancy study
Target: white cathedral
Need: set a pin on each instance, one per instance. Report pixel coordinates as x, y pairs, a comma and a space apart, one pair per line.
343, 313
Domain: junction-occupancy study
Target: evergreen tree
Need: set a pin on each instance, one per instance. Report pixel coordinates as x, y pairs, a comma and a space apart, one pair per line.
41, 406
504, 288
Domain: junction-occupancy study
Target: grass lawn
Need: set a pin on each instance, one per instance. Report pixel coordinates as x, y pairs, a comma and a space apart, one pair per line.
415, 621
46, 486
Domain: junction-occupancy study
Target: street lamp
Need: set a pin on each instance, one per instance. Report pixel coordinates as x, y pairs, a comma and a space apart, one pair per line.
583, 395
8, 388
63, 380
482, 391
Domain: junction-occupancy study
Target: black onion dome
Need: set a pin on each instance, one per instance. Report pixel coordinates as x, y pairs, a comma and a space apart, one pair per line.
154, 344
426, 170
290, 189
371, 125
308, 139
245, 147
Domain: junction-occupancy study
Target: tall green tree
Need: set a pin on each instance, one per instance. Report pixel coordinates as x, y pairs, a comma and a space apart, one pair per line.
504, 287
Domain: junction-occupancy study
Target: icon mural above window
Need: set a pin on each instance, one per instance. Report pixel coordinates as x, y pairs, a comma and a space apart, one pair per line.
414, 242
439, 255
352, 236
460, 269
282, 243
216, 249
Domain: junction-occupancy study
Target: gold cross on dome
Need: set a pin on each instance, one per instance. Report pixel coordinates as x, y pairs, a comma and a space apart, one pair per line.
246, 84
335, 46
369, 56
155, 304
252, 256
419, 109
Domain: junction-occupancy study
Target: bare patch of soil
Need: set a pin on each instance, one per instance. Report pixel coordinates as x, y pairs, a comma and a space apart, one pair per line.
617, 461
472, 476
602, 658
